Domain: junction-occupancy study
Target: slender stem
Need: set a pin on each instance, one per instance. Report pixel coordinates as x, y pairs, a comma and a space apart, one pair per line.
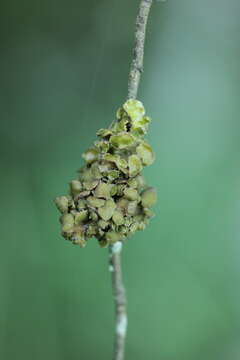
120, 300
115, 249
138, 50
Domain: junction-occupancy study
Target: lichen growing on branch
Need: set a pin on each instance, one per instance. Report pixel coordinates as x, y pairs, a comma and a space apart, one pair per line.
110, 201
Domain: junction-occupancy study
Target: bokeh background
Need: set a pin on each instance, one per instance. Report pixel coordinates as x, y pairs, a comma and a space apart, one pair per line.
64, 69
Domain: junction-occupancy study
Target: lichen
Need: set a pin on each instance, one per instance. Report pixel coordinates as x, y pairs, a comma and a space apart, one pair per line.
110, 200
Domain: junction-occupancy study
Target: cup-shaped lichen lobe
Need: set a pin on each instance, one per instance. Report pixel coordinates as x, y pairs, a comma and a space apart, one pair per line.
110, 200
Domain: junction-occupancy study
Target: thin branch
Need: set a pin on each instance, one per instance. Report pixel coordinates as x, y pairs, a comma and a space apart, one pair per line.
120, 300
115, 249
138, 50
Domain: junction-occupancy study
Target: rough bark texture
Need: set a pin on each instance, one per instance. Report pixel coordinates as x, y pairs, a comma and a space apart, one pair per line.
115, 249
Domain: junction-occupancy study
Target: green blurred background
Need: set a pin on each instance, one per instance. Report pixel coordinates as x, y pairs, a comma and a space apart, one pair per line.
64, 69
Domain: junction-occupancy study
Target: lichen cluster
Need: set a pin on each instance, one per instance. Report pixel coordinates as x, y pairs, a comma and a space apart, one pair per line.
110, 200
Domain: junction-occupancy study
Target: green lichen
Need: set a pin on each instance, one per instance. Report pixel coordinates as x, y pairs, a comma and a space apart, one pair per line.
110, 200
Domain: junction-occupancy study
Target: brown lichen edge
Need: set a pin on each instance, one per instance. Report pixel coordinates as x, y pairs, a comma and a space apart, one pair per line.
110, 200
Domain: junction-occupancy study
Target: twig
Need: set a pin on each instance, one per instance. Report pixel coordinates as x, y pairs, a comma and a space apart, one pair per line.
138, 50
120, 300
115, 249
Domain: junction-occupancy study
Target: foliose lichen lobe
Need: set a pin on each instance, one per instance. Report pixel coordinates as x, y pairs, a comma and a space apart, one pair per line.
110, 200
